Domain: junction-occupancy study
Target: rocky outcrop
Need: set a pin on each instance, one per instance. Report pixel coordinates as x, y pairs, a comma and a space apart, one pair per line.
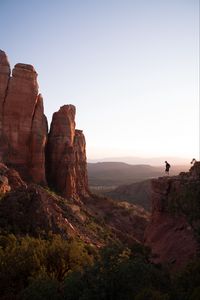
4, 79
10, 180
66, 156
174, 228
80, 163
38, 139
23, 124
34, 211
23, 135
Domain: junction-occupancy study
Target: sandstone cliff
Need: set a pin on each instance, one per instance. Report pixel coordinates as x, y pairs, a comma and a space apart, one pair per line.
24, 133
23, 125
66, 156
173, 232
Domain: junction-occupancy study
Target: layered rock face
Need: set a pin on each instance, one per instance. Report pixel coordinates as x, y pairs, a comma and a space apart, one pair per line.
66, 156
174, 227
23, 130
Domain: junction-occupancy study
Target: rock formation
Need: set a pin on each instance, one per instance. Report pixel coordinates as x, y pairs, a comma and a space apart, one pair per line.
23, 125
80, 163
10, 180
4, 79
66, 156
173, 231
23, 135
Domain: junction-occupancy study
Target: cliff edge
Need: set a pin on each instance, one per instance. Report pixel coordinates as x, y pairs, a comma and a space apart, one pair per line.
173, 232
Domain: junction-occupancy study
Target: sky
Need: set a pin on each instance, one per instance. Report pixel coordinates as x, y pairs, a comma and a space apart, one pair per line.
131, 68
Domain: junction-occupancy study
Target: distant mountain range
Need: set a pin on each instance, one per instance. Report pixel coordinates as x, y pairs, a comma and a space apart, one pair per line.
113, 174
153, 161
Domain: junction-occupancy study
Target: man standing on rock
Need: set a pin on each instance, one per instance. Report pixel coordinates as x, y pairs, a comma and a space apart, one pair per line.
167, 167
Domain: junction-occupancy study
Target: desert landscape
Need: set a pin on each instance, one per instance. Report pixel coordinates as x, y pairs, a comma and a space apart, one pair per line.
99, 150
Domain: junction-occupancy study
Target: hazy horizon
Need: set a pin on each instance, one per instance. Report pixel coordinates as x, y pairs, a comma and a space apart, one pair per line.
152, 161
130, 67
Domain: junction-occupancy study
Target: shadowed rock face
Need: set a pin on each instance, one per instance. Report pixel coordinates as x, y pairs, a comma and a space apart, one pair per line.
9, 180
66, 156
4, 79
172, 232
80, 163
23, 123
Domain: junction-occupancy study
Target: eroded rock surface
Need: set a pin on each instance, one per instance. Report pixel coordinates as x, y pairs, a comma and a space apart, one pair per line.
173, 231
66, 156
23, 123
10, 180
24, 132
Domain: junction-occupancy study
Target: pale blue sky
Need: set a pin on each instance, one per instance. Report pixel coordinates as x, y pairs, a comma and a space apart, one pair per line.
130, 67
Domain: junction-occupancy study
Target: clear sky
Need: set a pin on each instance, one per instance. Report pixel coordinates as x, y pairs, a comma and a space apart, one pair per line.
129, 66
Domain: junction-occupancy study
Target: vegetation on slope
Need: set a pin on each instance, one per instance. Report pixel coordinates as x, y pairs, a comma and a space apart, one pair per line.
38, 264
53, 268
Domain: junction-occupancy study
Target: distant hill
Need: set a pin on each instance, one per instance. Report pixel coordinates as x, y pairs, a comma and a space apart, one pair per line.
137, 193
113, 174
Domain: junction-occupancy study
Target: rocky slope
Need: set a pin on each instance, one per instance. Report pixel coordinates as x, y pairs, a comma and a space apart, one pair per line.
173, 233
37, 211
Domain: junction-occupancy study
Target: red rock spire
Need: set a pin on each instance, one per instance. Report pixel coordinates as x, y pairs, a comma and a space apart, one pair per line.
24, 126
66, 156
23, 134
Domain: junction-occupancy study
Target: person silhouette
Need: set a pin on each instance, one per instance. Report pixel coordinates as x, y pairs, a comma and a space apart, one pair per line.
193, 161
167, 167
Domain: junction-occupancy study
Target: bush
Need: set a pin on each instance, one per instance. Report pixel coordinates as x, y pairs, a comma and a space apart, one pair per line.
25, 258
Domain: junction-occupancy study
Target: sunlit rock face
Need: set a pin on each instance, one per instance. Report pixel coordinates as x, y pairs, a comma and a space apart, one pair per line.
24, 133
66, 156
172, 232
23, 123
